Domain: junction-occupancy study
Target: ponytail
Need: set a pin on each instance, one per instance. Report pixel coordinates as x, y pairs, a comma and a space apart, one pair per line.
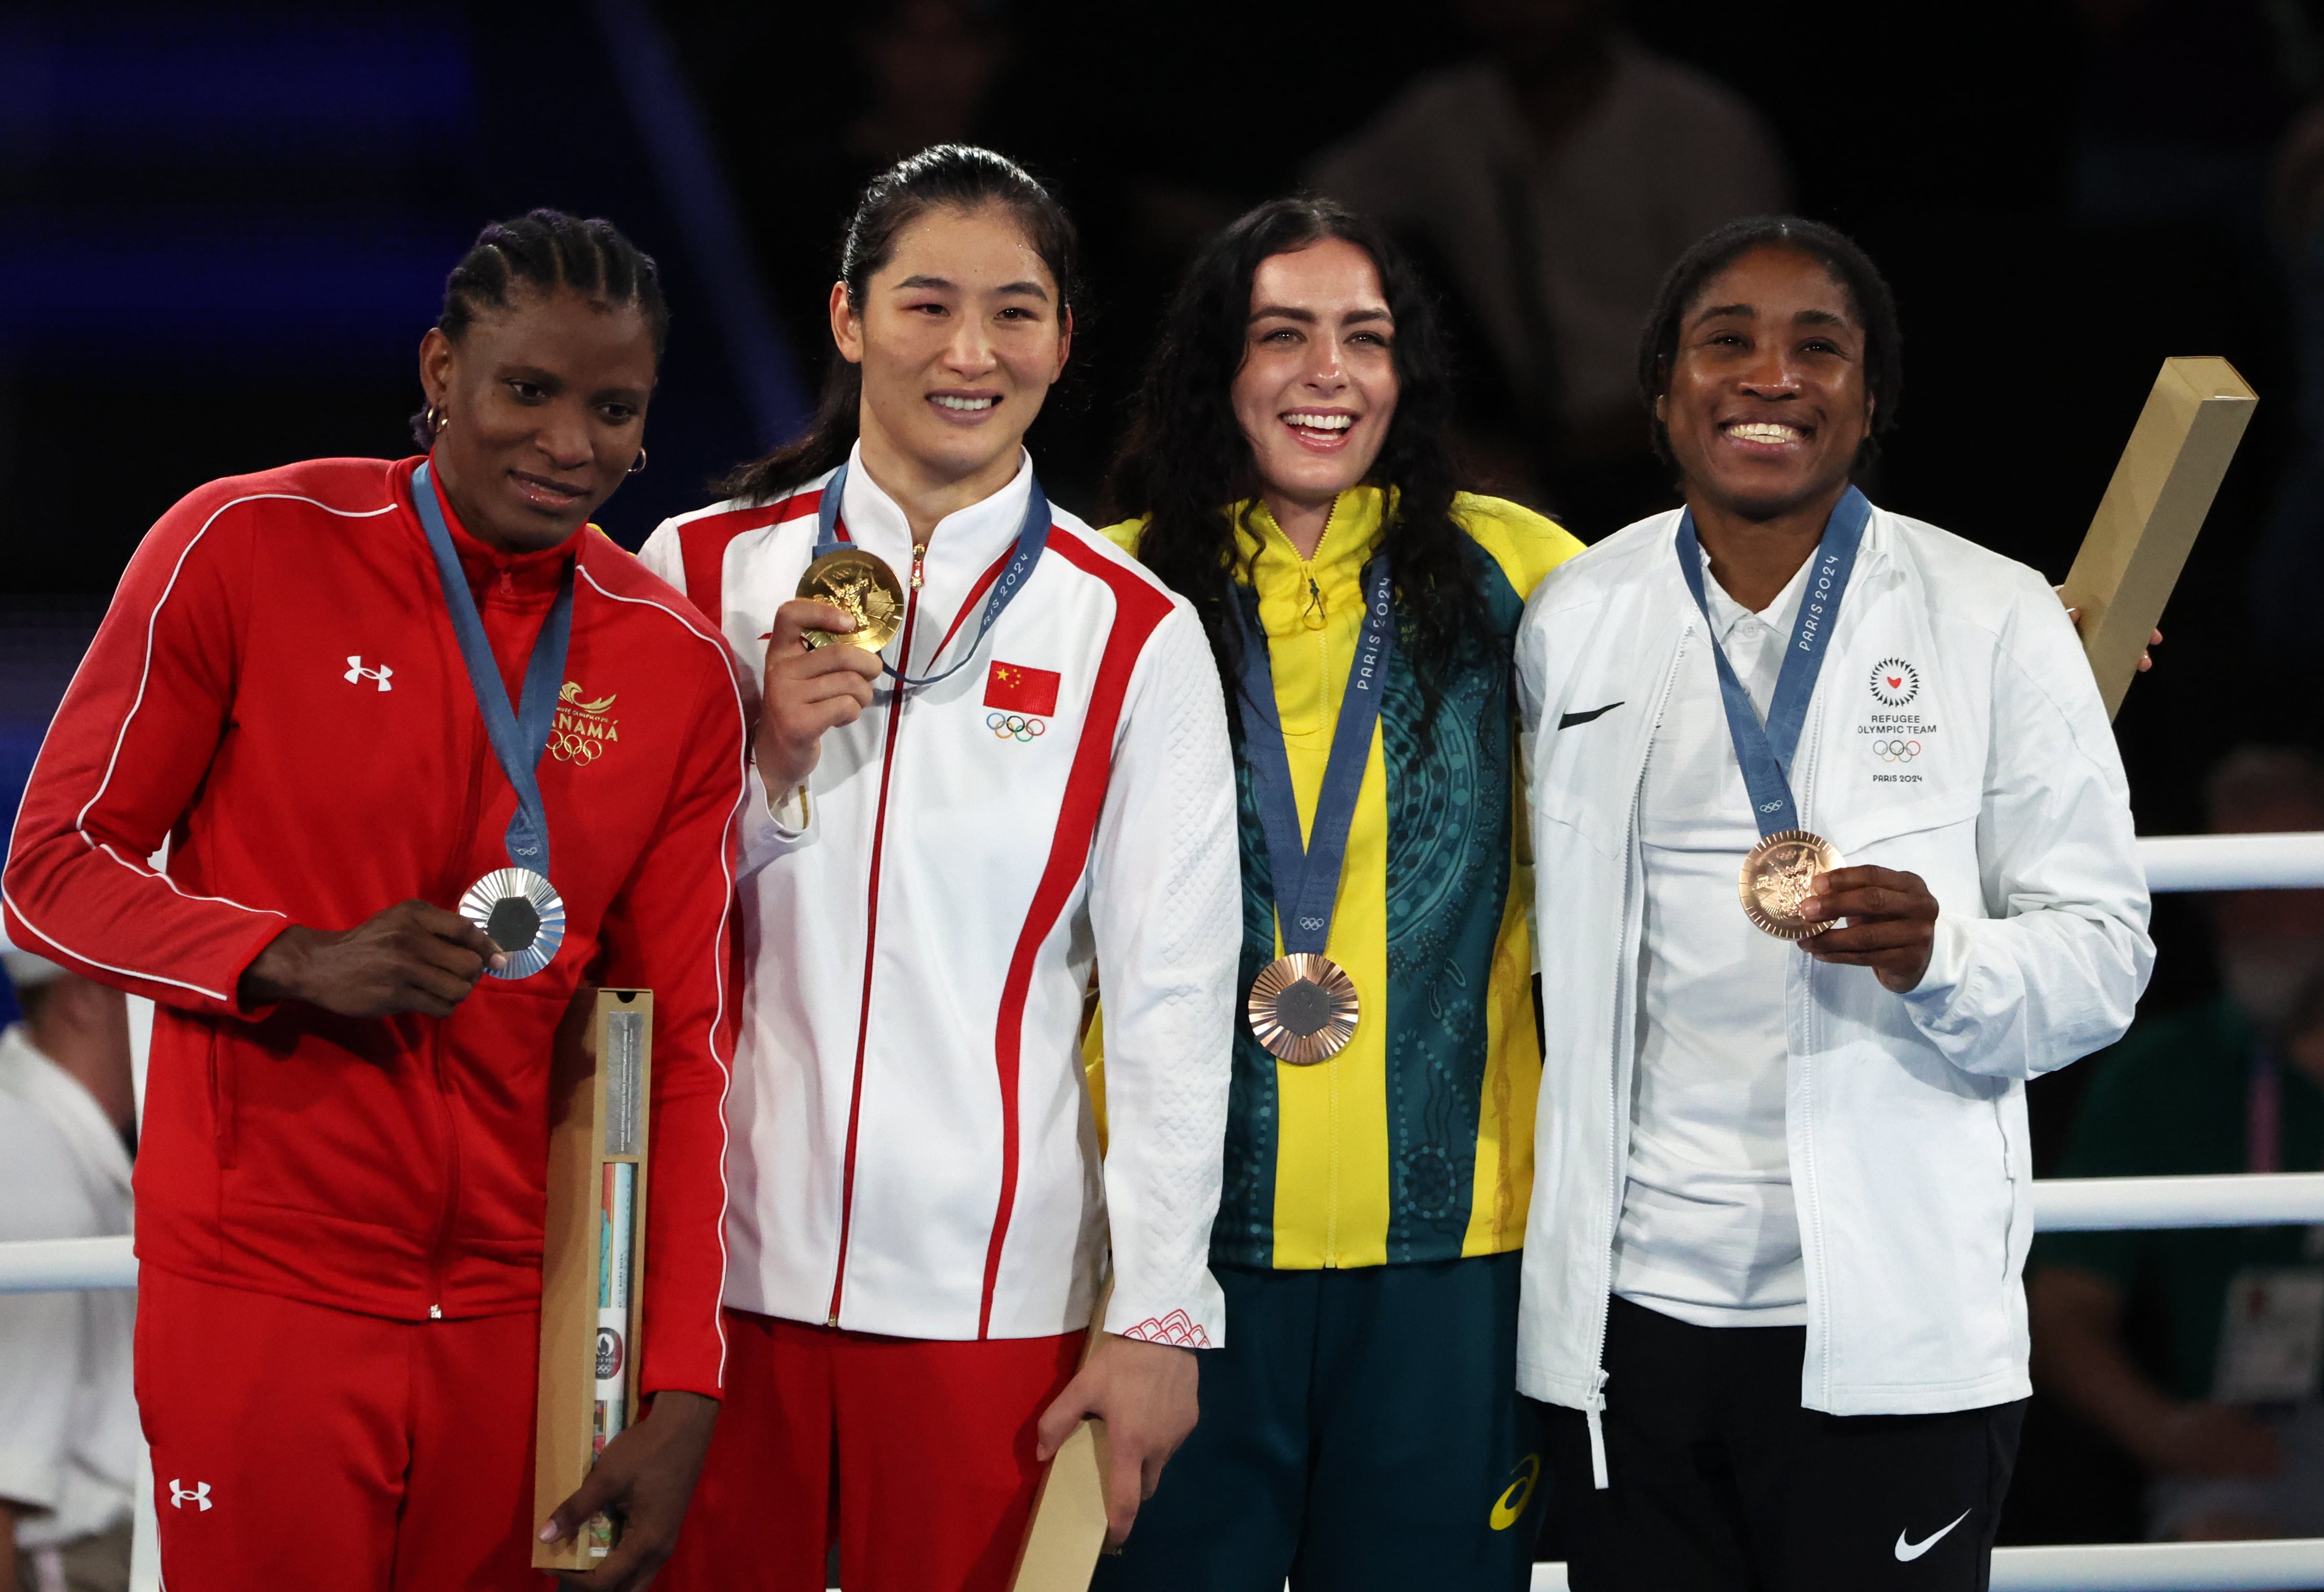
958, 175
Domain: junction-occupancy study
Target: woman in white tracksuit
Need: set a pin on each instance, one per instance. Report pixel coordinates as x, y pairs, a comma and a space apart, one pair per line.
1029, 774
1782, 1198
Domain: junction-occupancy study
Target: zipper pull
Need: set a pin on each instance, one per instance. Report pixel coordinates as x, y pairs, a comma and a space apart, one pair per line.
919, 564
1313, 615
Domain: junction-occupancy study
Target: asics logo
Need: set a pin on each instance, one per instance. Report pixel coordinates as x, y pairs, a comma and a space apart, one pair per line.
1907, 1551
1510, 1506
356, 673
199, 1495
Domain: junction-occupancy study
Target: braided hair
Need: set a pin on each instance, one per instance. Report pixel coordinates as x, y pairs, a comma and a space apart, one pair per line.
547, 251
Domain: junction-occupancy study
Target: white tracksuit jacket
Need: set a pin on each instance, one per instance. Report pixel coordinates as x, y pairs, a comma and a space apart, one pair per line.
1905, 1114
913, 1149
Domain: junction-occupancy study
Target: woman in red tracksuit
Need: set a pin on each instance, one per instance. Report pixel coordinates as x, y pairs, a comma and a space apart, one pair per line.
340, 1188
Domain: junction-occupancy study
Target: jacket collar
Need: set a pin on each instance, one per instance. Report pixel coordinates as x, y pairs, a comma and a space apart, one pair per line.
1351, 536
1658, 546
508, 579
962, 545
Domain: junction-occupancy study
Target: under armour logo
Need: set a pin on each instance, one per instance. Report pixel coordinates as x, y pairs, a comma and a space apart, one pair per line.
356, 673
199, 1495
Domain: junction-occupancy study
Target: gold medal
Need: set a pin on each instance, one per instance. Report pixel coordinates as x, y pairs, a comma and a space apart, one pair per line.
1778, 876
862, 587
1302, 1008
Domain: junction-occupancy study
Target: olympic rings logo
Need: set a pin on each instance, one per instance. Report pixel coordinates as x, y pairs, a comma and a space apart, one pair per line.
1895, 750
567, 747
1010, 727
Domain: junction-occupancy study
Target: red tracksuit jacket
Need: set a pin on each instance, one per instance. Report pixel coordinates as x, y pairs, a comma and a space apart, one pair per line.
277, 692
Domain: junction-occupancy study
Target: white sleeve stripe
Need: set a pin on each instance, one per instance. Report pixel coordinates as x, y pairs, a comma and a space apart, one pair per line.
18, 911
718, 944
172, 884
146, 673
153, 620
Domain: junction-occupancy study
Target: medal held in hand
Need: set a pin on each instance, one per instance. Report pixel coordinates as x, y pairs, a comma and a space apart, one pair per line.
1778, 875
860, 585
516, 906
1304, 1007
521, 913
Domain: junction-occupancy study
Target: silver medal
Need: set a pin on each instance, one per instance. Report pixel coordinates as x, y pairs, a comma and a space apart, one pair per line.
521, 913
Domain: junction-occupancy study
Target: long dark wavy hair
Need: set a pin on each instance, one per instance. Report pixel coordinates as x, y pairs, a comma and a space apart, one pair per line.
1185, 463
962, 177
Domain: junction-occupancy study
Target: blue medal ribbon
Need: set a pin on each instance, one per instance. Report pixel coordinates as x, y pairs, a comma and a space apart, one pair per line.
1307, 875
1765, 752
519, 734
1031, 538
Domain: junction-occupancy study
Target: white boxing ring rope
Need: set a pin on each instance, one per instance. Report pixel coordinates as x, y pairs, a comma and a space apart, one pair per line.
2061, 1205
2191, 862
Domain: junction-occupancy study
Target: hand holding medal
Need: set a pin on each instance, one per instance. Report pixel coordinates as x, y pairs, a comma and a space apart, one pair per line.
516, 907
808, 690
849, 595
1794, 882
1879, 918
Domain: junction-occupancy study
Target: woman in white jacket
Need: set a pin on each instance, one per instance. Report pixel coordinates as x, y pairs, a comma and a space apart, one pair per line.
1023, 768
1781, 1204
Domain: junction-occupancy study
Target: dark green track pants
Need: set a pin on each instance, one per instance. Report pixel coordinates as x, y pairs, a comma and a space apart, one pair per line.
1361, 1430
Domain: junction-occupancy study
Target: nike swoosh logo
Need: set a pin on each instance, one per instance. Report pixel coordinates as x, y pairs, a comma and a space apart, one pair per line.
1568, 720
1906, 1551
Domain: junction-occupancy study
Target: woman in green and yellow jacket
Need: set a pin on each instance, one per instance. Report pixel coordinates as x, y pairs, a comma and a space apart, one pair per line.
1291, 474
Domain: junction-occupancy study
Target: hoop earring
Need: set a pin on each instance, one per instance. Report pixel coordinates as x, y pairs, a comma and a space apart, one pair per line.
637, 463
435, 420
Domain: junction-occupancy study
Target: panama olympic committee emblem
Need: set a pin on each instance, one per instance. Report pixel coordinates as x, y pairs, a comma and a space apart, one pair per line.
583, 728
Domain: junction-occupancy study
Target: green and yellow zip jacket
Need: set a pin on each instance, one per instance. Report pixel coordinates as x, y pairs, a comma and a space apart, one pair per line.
1415, 1141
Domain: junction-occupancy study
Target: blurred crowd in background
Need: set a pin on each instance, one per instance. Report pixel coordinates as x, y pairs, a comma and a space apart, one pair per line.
226, 226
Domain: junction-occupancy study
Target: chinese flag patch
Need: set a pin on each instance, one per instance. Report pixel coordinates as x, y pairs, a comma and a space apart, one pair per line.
1015, 689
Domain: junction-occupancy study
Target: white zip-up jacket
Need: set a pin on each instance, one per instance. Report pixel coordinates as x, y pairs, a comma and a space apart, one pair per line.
913, 1151
1955, 733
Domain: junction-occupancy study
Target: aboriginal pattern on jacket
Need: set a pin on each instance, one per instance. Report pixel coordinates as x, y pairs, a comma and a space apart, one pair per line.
1451, 803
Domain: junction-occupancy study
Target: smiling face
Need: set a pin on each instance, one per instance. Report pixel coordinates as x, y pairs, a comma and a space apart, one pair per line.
544, 404
960, 337
1317, 387
1767, 402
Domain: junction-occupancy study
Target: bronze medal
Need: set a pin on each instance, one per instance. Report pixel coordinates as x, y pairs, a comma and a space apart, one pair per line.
1777, 877
862, 587
1302, 1008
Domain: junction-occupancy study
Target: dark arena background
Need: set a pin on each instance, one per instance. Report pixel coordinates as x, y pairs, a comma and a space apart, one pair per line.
223, 228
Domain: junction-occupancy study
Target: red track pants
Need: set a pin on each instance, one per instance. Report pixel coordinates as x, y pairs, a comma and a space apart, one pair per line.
298, 1446
916, 1457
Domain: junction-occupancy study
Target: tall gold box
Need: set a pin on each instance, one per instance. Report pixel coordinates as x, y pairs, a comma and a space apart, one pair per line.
2163, 487
593, 1253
